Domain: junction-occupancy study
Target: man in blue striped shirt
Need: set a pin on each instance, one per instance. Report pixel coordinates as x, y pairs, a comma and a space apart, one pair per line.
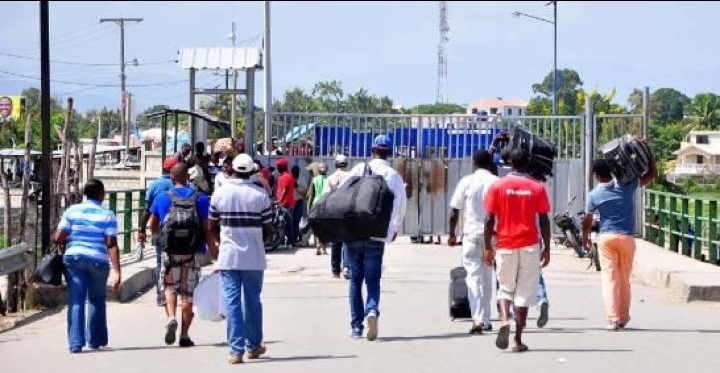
89, 233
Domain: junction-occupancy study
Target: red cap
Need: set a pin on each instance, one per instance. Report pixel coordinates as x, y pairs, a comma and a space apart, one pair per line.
169, 163
282, 162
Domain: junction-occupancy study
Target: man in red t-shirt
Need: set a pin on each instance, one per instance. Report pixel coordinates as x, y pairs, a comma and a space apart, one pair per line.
517, 202
286, 192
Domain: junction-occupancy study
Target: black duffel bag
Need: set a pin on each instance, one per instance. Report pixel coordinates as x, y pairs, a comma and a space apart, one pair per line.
542, 152
50, 268
360, 208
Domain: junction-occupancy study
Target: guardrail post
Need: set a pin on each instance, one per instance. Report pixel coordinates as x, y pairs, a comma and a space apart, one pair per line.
712, 232
698, 227
663, 220
685, 209
127, 222
674, 234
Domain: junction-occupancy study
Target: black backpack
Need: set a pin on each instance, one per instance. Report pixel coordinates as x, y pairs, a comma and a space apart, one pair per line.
358, 209
181, 232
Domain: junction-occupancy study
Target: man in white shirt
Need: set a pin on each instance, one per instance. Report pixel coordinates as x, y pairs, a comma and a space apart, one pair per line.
242, 212
366, 256
469, 196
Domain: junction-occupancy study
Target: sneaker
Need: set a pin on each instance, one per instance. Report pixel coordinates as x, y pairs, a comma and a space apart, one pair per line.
75, 350
336, 275
477, 329
542, 320
487, 327
372, 321
235, 359
170, 330
346, 273
612, 327
186, 342
623, 324
256, 353
356, 333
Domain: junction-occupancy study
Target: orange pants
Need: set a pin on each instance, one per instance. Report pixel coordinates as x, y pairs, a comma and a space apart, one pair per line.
616, 259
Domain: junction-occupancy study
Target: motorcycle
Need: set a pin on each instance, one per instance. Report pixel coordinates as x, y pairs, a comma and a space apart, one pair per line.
570, 229
572, 236
282, 228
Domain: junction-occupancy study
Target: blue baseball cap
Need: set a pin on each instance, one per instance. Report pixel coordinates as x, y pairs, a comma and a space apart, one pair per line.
382, 141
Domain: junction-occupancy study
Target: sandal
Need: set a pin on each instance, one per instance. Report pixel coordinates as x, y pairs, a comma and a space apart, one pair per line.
503, 337
519, 348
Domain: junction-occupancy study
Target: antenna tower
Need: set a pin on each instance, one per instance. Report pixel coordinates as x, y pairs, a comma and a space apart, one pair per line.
441, 96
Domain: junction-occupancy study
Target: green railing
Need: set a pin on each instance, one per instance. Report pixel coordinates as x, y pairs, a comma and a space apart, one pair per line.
133, 201
670, 217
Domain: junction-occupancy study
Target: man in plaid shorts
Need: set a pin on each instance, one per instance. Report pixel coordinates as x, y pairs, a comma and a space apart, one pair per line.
181, 273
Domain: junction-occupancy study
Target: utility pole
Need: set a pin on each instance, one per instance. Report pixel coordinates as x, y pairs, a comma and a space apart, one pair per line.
123, 114
233, 107
554, 75
267, 139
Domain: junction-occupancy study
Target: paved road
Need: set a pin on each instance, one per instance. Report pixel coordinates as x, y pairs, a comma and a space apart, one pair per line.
307, 328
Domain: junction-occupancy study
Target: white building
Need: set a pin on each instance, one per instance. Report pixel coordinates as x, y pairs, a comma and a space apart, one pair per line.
498, 107
698, 158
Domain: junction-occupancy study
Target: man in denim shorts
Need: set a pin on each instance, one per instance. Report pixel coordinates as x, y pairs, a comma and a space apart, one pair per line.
181, 273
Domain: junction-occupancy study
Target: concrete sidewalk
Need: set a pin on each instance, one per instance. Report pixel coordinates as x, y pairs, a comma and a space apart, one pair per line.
688, 278
306, 325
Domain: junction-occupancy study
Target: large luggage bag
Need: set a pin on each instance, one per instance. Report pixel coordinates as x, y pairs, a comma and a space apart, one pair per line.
358, 209
542, 152
458, 294
628, 158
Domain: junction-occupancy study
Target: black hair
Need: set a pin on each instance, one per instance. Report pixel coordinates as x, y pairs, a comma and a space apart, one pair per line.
483, 159
519, 159
260, 165
94, 189
601, 167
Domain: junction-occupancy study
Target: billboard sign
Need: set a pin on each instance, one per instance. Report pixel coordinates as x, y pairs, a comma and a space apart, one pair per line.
10, 108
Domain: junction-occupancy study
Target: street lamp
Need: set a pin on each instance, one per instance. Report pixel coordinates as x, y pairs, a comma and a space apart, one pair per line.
517, 14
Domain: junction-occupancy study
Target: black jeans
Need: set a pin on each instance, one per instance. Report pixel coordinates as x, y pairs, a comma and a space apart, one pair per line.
338, 257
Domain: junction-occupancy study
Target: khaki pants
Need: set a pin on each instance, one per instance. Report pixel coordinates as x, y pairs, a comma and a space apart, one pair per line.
617, 253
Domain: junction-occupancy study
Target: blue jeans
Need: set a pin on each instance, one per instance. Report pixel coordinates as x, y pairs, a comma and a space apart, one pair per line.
365, 261
338, 257
243, 309
542, 291
86, 282
297, 214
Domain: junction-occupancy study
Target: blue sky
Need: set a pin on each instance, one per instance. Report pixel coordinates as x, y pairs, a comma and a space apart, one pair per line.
387, 47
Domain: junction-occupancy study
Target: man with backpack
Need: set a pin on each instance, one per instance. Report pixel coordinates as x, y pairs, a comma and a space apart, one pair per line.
180, 217
365, 256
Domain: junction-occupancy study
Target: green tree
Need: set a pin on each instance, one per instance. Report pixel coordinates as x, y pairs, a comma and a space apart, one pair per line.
635, 101
569, 83
702, 112
668, 105
438, 108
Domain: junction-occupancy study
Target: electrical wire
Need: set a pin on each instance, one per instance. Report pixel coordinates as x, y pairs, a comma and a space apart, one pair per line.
93, 84
82, 63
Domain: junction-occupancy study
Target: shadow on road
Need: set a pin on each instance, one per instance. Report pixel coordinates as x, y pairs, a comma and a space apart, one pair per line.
270, 359
424, 337
576, 350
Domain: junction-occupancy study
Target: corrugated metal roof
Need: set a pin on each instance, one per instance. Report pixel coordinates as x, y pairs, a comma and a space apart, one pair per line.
220, 58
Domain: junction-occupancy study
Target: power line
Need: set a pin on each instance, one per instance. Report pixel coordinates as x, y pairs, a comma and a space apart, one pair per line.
81, 63
93, 84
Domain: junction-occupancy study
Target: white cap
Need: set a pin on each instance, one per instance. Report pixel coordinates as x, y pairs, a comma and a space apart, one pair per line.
243, 163
341, 159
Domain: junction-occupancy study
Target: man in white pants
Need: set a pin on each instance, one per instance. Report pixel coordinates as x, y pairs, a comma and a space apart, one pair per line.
470, 196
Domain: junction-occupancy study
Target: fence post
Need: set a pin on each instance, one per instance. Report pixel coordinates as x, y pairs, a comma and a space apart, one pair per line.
674, 234
712, 232
127, 222
697, 248
651, 206
684, 213
141, 204
112, 202
663, 220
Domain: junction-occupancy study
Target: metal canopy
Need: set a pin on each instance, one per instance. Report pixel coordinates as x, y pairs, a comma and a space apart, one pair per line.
225, 58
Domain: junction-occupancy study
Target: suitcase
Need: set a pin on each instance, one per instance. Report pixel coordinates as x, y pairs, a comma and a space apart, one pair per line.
458, 294
542, 152
628, 158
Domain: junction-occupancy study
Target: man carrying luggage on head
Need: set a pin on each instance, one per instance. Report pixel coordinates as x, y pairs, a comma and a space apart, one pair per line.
469, 196
365, 257
517, 202
615, 202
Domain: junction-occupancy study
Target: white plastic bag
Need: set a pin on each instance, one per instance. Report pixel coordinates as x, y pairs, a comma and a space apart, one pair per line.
207, 302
